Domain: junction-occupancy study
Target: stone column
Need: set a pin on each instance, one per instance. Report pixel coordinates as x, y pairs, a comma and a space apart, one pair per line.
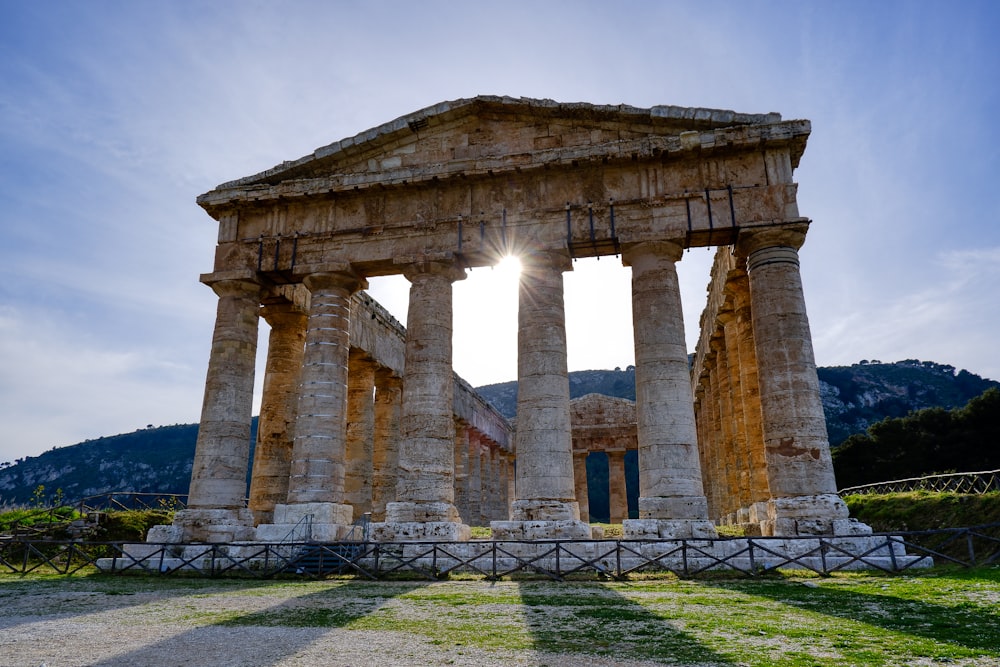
741, 450
713, 440
759, 491
671, 497
727, 455
425, 492
490, 484
216, 510
511, 487
359, 449
617, 494
546, 505
315, 508
475, 517
485, 485
580, 482
506, 482
701, 423
385, 454
804, 498
462, 469
273, 453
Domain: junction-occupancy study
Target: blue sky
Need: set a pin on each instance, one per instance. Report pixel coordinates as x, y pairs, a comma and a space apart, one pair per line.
114, 116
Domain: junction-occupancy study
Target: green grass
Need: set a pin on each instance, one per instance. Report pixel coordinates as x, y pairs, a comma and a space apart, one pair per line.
940, 616
924, 510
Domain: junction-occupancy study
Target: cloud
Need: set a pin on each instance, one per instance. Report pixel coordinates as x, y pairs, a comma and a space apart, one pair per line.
951, 321
59, 388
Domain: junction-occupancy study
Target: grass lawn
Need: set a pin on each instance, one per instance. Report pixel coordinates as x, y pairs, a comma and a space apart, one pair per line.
942, 616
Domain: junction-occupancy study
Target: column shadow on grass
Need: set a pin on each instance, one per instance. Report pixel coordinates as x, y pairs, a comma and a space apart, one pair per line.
596, 620
967, 624
311, 616
80, 595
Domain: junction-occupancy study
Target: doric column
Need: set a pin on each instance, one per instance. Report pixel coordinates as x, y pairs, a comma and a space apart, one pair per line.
273, 453
713, 440
485, 485
315, 508
462, 469
671, 497
727, 454
617, 497
511, 486
475, 492
741, 450
759, 492
216, 510
385, 454
580, 482
425, 493
506, 484
800, 471
359, 460
492, 483
701, 422
546, 503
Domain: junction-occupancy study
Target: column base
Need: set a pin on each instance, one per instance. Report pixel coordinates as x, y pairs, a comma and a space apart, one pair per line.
420, 531
543, 510
308, 522
669, 529
413, 512
673, 508
206, 525
824, 514
526, 531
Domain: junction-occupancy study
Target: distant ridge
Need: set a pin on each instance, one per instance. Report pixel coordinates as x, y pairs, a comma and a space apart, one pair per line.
159, 459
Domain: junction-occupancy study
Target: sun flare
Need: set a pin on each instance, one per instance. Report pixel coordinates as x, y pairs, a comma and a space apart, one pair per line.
509, 265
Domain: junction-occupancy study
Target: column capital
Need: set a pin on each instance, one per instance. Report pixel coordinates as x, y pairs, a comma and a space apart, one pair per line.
736, 285
236, 287
658, 250
347, 280
753, 240
546, 259
413, 271
283, 314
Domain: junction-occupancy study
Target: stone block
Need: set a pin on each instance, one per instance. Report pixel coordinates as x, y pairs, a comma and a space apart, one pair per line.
673, 508
420, 531
668, 529
540, 530
412, 512
545, 510
315, 513
209, 525
170, 533
850, 527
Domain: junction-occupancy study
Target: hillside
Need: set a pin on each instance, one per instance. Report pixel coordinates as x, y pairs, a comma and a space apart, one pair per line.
854, 397
159, 459
150, 460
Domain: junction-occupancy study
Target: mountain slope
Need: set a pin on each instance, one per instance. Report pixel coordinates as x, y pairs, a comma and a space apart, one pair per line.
160, 459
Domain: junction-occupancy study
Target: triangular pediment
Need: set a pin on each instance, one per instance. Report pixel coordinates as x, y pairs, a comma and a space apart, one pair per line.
487, 132
601, 410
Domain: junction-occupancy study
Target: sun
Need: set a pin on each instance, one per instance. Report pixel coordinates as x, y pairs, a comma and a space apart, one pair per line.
509, 266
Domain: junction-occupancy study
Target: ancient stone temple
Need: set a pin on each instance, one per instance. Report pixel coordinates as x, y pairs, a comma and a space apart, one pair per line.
355, 420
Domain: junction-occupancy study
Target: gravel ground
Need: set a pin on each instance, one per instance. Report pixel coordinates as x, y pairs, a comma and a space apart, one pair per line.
158, 624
